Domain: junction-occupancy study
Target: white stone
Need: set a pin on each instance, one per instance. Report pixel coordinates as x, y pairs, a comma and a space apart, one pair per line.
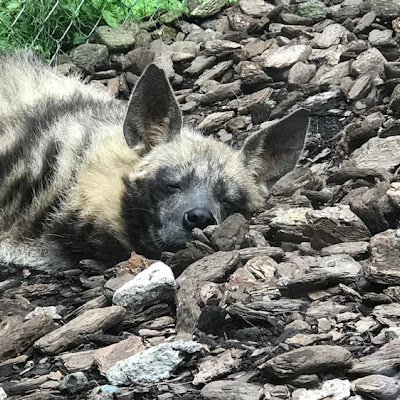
151, 286
335, 389
50, 311
331, 35
152, 365
3, 394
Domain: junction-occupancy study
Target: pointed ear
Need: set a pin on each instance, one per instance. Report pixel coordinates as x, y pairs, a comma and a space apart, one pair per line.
153, 114
274, 150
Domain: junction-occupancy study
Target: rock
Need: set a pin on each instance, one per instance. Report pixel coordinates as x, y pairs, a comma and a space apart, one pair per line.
385, 9
393, 193
200, 64
364, 22
215, 121
90, 55
152, 365
334, 75
330, 36
75, 331
206, 8
137, 60
255, 8
245, 104
108, 356
379, 38
379, 387
334, 389
395, 101
214, 366
154, 285
370, 62
284, 56
333, 225
213, 73
78, 361
312, 9
75, 383
231, 390
383, 266
383, 361
183, 50
301, 73
353, 249
316, 272
50, 311
220, 91
16, 336
377, 153
220, 46
230, 234
308, 359
117, 39
3, 394
360, 88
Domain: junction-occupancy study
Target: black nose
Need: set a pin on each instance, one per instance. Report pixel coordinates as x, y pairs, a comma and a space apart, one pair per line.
198, 217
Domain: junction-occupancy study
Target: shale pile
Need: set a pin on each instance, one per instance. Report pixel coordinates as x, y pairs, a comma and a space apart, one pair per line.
302, 301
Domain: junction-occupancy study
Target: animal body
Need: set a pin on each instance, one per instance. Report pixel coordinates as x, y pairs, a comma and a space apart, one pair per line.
84, 175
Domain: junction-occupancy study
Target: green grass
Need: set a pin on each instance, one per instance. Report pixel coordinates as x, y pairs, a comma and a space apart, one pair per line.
50, 25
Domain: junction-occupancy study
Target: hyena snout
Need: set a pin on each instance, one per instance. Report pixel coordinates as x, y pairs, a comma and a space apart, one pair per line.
198, 217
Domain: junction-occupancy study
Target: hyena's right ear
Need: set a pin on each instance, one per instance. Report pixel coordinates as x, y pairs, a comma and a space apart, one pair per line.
153, 114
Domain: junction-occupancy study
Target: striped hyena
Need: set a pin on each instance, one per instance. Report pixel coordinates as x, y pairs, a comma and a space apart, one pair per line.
84, 175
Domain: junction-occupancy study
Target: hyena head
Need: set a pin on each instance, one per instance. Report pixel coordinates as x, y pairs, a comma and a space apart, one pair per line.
185, 180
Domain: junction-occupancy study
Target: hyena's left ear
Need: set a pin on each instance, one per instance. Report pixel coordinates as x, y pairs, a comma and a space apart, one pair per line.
153, 114
274, 150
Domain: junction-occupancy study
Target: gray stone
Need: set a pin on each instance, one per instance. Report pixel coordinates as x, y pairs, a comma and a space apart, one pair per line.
393, 193
377, 153
183, 50
379, 387
395, 101
301, 72
353, 249
365, 21
117, 39
152, 365
231, 390
361, 87
206, 8
370, 62
312, 9
308, 359
378, 38
200, 64
213, 73
383, 267
220, 46
334, 75
74, 383
215, 120
255, 8
285, 56
387, 9
153, 285
90, 54
330, 36
203, 35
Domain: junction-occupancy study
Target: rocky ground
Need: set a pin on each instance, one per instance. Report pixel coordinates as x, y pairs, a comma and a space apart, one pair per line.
301, 302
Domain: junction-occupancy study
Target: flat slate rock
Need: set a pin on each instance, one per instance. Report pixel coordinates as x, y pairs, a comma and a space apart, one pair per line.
308, 359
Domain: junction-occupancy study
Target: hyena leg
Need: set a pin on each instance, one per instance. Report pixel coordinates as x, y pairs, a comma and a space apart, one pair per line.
26, 253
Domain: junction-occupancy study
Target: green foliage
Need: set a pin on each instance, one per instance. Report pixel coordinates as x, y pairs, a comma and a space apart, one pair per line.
48, 25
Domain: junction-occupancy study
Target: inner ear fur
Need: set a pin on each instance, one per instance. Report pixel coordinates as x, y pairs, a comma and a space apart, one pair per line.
274, 150
153, 114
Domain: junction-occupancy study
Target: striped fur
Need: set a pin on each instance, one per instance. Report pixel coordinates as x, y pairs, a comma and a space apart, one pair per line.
84, 175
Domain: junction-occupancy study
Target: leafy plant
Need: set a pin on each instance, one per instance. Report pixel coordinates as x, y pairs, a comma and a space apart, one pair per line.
51, 25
